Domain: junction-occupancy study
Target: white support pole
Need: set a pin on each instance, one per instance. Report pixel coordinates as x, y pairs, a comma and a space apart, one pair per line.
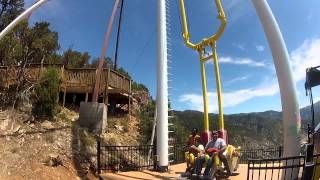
290, 107
162, 87
22, 16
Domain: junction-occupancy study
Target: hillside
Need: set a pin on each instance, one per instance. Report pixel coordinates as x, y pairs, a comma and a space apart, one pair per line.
306, 113
32, 149
249, 130
57, 149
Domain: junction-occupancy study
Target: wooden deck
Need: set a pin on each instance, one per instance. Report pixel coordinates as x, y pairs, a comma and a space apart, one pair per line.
77, 80
73, 80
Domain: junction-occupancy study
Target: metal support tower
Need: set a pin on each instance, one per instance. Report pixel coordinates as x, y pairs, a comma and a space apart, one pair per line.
162, 87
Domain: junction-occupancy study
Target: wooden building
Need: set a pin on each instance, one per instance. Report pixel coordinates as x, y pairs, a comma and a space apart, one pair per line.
115, 88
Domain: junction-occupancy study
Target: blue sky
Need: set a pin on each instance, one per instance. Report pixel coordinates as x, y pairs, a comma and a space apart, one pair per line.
249, 81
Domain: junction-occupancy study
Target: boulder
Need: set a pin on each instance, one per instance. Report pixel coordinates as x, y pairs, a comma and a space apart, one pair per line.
47, 125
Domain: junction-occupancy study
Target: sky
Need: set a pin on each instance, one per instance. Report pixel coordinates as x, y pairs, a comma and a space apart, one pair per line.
248, 77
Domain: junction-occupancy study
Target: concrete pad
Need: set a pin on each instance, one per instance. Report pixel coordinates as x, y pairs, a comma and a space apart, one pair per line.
93, 116
174, 172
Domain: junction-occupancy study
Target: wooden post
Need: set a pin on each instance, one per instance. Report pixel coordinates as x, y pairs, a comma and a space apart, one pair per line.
64, 96
129, 101
7, 77
107, 87
87, 94
122, 80
104, 96
98, 156
41, 69
58, 95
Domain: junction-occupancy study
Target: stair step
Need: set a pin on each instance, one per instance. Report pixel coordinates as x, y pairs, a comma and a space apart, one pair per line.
170, 154
171, 117
170, 124
170, 131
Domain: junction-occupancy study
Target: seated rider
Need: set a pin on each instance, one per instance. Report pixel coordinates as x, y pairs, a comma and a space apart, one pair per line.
191, 151
200, 157
192, 138
216, 145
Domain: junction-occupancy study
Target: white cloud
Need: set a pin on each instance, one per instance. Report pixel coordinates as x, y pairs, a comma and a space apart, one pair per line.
236, 9
230, 99
260, 48
241, 61
307, 55
236, 80
239, 46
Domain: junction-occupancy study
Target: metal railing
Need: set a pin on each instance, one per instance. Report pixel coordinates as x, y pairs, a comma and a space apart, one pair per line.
246, 154
316, 166
125, 158
262, 163
284, 168
134, 158
275, 168
178, 153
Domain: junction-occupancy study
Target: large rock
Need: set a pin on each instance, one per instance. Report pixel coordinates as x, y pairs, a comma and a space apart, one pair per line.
47, 125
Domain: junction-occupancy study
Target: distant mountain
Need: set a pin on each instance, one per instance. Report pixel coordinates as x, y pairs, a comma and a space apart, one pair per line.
249, 130
306, 113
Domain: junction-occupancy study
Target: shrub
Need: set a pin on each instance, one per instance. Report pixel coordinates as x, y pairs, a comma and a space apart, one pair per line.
47, 91
146, 116
139, 87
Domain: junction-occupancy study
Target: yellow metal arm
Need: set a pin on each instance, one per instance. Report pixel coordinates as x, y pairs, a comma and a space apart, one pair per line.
223, 20
218, 84
207, 41
200, 47
186, 35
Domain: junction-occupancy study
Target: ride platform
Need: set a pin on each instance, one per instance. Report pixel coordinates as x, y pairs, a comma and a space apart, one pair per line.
175, 172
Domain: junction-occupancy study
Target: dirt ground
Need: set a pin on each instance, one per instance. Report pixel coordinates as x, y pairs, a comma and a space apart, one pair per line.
29, 148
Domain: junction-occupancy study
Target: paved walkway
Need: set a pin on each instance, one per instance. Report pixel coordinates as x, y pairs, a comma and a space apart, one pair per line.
174, 173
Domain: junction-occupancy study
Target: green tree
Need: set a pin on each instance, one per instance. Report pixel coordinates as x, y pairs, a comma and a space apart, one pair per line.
10, 9
46, 94
123, 72
75, 59
146, 117
139, 87
9, 49
25, 45
55, 59
107, 63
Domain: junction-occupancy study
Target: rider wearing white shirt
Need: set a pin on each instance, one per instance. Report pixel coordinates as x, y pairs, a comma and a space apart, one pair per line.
216, 145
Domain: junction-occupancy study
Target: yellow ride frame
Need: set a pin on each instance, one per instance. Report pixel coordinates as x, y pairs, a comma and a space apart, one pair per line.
200, 47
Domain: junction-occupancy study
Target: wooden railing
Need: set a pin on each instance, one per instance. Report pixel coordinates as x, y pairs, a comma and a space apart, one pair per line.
72, 79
